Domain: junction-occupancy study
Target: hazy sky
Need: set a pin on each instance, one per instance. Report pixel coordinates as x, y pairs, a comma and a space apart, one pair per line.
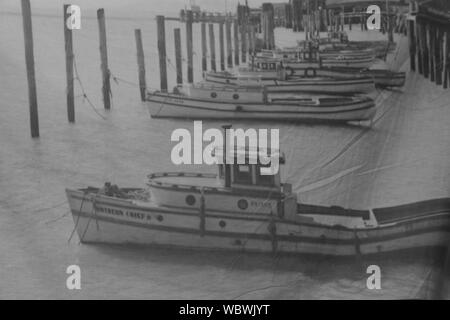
127, 7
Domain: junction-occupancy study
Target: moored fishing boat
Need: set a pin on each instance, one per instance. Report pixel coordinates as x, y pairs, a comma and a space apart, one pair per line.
203, 101
323, 85
381, 77
308, 60
274, 70
243, 210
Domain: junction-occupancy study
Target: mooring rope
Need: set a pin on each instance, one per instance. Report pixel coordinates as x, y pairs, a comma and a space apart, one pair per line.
78, 219
84, 95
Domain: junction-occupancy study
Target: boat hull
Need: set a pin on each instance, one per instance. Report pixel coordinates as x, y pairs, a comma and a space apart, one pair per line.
171, 106
331, 86
102, 219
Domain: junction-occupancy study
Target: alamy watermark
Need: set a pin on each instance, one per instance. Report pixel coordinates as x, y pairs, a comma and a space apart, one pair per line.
253, 143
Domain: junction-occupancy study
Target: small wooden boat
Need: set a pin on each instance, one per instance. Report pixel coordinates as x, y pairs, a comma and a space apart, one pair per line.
299, 53
271, 69
312, 59
381, 77
242, 210
204, 101
323, 85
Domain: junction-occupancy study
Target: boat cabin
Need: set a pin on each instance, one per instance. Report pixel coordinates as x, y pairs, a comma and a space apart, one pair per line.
269, 65
251, 169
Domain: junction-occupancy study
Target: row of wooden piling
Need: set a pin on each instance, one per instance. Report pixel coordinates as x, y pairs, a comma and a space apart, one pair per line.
429, 49
429, 43
240, 42
70, 62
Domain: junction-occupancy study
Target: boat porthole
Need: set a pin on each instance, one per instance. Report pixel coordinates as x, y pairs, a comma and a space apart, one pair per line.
239, 108
213, 95
242, 204
160, 218
222, 224
190, 200
235, 96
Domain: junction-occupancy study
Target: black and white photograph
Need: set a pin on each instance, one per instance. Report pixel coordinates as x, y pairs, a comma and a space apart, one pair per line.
238, 151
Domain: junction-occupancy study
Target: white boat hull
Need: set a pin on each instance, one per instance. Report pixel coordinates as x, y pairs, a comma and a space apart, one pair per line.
171, 106
327, 86
124, 222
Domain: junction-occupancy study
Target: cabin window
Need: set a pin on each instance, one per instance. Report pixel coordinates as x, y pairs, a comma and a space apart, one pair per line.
272, 66
264, 66
264, 180
242, 174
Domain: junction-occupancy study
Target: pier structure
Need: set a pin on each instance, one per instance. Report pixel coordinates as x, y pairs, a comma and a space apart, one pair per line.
428, 34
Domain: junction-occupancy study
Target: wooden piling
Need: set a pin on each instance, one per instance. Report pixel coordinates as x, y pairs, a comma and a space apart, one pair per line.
141, 63
244, 42
229, 44
253, 40
236, 41
430, 51
106, 89
445, 62
190, 50
250, 39
437, 50
212, 47
221, 47
161, 30
412, 45
68, 41
178, 56
268, 26
297, 15
29, 59
418, 33
204, 48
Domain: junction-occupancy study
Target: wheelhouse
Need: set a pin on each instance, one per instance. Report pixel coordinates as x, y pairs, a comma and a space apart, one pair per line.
251, 169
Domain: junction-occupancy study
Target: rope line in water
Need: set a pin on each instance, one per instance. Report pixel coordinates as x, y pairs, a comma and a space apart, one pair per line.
84, 95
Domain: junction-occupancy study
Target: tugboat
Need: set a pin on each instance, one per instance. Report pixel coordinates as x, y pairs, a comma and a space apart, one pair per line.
242, 209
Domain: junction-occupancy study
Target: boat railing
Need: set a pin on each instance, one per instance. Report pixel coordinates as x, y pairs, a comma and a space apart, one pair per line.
212, 87
157, 175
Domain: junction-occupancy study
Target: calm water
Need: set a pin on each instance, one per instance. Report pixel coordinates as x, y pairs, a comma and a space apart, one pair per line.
404, 158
